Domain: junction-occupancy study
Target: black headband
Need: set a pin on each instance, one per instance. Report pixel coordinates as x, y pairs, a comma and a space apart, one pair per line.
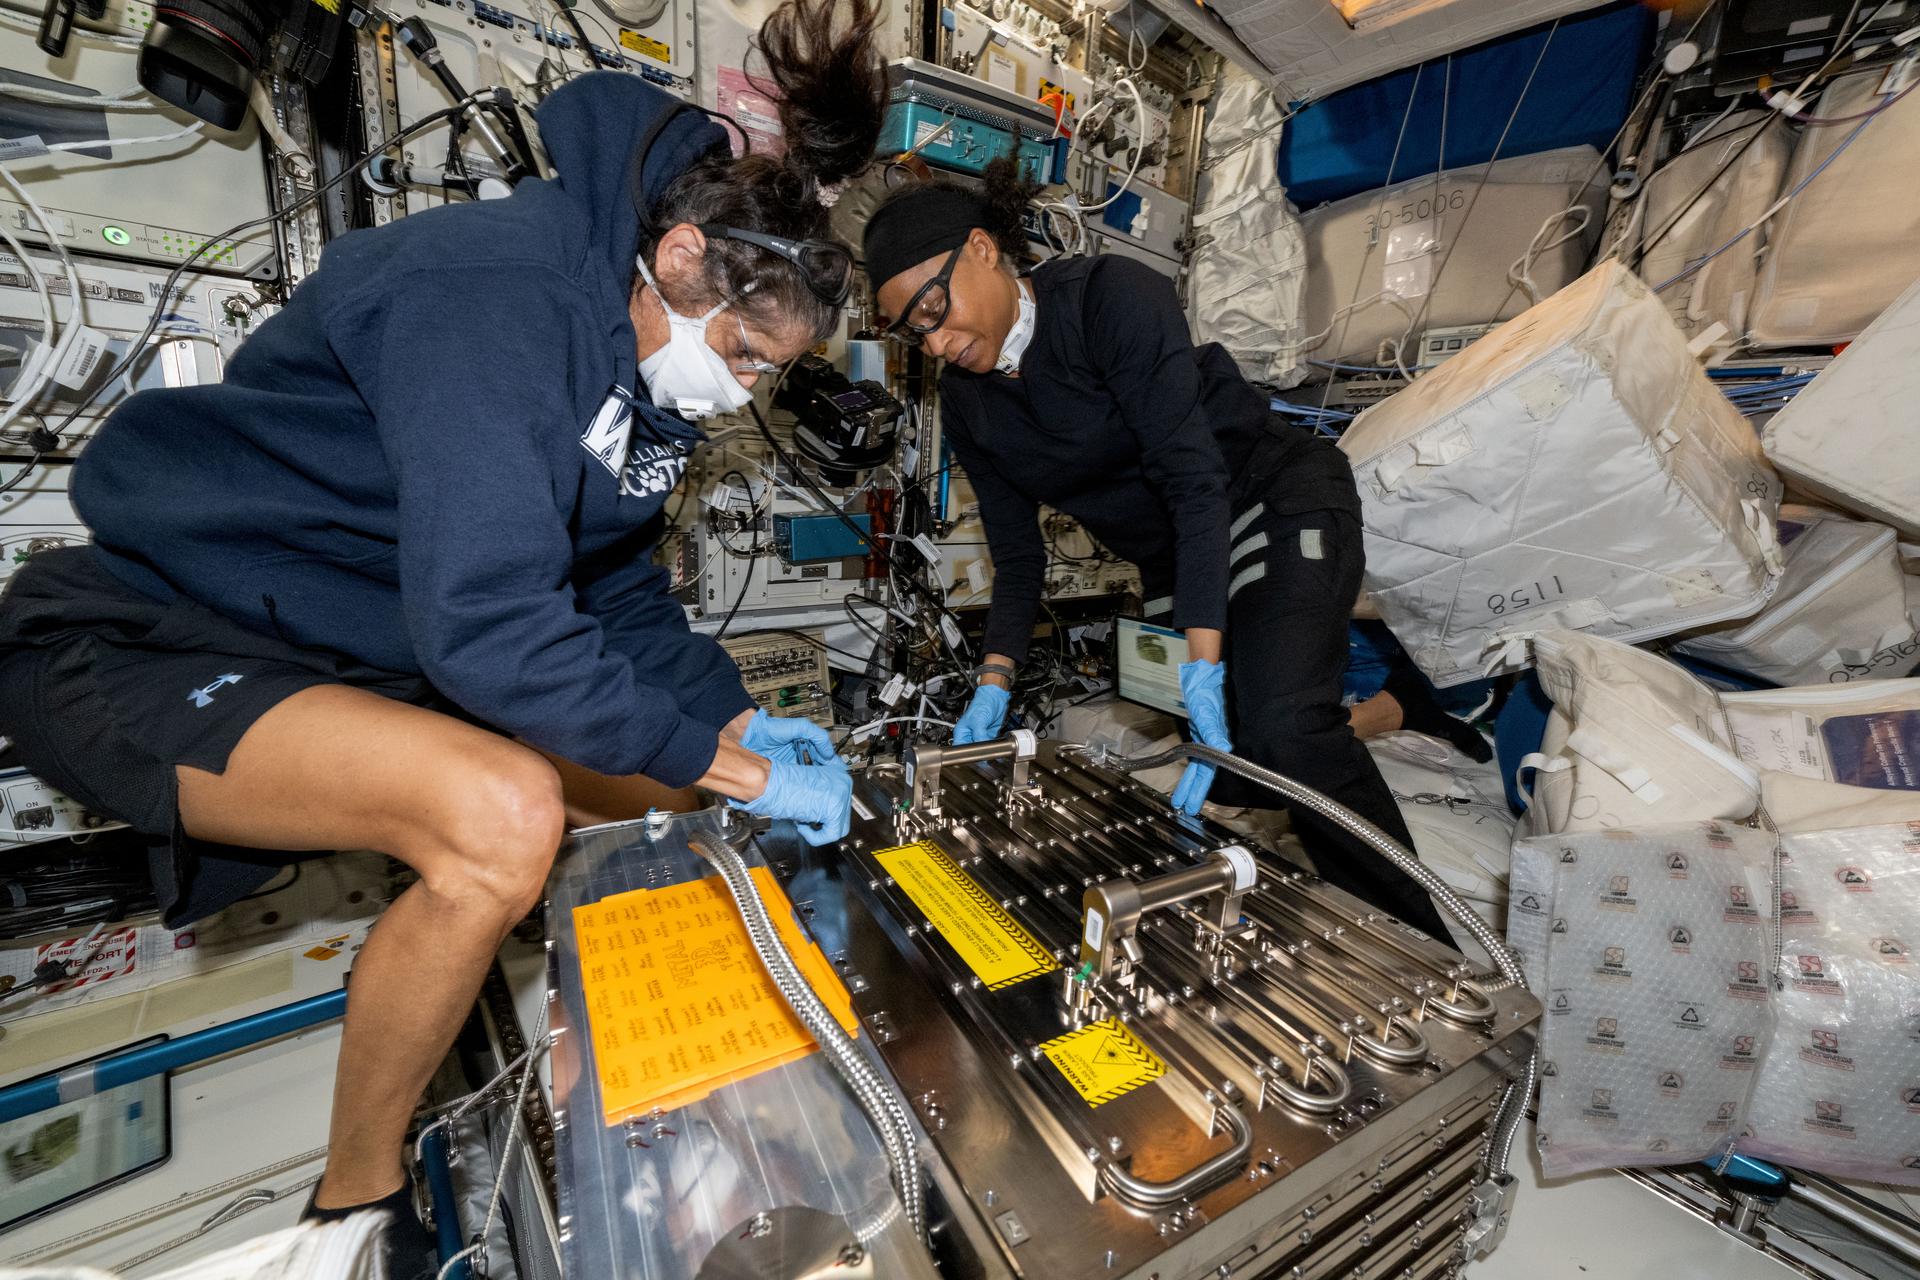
916, 225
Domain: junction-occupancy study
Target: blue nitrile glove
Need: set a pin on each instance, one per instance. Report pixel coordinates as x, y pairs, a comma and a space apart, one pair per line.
780, 738
1203, 685
983, 717
818, 797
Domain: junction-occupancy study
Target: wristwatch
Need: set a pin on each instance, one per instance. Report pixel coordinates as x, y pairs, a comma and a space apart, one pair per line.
995, 669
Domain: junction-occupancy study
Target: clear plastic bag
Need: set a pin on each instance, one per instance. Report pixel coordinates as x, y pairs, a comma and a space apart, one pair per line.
1657, 1010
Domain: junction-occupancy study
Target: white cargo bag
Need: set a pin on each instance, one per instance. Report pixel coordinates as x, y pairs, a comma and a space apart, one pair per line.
1797, 804
1574, 468
1249, 261
1695, 202
1632, 741
1865, 734
1852, 435
1838, 615
1374, 260
1846, 246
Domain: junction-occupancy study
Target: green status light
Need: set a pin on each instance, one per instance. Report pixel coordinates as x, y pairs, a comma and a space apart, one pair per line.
115, 235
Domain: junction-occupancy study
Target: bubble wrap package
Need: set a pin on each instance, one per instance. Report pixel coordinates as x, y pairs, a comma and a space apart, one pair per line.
1530, 907
1840, 1088
1657, 1014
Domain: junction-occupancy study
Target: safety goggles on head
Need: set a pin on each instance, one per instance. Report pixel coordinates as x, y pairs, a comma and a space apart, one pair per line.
926, 310
826, 267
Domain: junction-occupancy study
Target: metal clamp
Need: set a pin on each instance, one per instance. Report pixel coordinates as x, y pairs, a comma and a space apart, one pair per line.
1111, 910
925, 760
1139, 1191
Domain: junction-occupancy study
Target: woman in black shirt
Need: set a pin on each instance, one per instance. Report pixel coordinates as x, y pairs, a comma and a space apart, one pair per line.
1078, 387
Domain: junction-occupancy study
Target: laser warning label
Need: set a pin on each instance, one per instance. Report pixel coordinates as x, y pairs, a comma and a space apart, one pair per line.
1103, 1060
992, 943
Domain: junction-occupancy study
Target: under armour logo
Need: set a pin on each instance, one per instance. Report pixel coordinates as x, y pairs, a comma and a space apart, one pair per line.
204, 697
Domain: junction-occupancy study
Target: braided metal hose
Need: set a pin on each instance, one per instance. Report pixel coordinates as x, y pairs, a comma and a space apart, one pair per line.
1513, 1102
882, 1106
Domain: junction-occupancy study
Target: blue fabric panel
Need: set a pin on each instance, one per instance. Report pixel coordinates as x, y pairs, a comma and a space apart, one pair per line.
1344, 144
1519, 729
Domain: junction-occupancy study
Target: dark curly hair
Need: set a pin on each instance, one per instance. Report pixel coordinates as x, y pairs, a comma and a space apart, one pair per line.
822, 62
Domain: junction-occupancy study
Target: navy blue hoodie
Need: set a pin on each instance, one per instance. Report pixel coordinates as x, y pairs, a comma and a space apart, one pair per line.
437, 459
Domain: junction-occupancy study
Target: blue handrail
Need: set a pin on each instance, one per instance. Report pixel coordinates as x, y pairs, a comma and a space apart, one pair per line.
100, 1074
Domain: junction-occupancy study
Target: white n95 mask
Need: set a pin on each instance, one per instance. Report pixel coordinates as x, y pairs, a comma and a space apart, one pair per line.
686, 376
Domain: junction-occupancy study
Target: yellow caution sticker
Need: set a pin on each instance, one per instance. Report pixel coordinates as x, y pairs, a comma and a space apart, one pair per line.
993, 944
655, 49
1103, 1060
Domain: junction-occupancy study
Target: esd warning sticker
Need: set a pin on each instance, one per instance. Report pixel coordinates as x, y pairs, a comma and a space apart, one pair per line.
990, 941
1103, 1060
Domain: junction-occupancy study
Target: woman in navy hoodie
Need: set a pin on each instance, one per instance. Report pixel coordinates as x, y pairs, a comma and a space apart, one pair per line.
388, 584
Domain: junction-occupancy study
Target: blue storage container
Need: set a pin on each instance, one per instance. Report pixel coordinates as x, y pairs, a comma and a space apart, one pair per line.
1344, 144
967, 146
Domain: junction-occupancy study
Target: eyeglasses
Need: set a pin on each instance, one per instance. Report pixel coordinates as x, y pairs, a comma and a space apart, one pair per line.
926, 310
826, 267
748, 362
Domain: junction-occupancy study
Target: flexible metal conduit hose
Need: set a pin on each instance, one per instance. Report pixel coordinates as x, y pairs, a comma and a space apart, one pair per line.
883, 1108
1513, 1103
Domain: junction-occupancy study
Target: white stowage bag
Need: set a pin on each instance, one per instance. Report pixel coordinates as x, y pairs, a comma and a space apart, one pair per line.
1839, 1090
1574, 468
1430, 248
1656, 995
1632, 741
1838, 615
1852, 435
1456, 811
1695, 202
1865, 734
1849, 242
1249, 261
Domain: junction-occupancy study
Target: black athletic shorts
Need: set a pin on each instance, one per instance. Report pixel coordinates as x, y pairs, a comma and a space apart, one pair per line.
103, 690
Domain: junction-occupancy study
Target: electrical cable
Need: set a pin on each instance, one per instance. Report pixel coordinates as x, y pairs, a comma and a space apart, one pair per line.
1486, 175
1777, 112
137, 347
85, 144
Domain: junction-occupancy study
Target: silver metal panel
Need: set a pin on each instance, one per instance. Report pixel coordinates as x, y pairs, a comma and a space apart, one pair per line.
1332, 1071
1018, 1141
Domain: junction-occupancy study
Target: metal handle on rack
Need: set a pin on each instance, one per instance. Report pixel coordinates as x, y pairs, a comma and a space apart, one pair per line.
1195, 1180
1341, 1088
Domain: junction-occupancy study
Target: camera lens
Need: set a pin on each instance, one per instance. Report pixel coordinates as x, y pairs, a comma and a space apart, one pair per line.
203, 55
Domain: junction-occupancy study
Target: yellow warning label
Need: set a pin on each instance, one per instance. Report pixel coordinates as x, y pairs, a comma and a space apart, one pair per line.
994, 946
1103, 1060
1047, 86
655, 49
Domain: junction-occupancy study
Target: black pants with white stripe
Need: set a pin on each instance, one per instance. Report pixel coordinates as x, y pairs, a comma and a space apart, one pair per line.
1293, 583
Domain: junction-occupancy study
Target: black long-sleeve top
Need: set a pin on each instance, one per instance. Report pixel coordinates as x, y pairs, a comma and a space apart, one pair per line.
1118, 420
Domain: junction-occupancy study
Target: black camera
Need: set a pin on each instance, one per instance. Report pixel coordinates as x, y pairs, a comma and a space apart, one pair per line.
204, 55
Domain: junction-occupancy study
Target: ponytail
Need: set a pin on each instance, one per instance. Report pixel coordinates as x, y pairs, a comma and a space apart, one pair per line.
822, 61
1008, 196
831, 86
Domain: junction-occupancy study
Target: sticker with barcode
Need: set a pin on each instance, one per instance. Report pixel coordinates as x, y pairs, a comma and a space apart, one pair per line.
25, 147
86, 348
